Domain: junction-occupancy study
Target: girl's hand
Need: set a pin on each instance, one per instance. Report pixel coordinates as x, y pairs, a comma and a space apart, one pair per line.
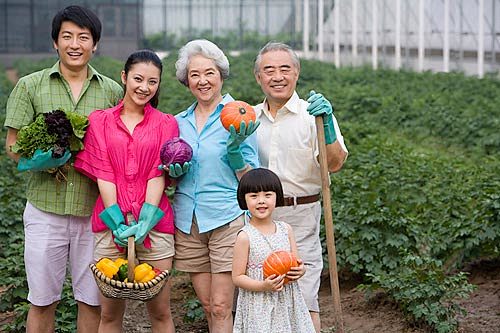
297, 272
274, 283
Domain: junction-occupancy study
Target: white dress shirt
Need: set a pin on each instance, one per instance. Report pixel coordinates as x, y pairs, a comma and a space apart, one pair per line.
288, 146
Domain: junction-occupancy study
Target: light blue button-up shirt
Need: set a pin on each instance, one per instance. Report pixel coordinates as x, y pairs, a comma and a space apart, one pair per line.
208, 190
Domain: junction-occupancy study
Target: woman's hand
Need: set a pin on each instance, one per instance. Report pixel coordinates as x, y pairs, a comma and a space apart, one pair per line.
234, 156
273, 283
296, 272
176, 170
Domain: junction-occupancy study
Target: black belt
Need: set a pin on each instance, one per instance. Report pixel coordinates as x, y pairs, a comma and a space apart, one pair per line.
292, 201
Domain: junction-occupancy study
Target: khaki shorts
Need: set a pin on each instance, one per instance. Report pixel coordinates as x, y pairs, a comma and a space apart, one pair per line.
162, 247
208, 252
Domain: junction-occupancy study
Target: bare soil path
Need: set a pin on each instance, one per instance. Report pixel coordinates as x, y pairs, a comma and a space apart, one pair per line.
360, 315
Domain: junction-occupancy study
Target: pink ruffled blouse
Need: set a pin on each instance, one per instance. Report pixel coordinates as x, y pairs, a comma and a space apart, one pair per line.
112, 154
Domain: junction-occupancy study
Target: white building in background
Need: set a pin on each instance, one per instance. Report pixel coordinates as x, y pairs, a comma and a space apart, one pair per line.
218, 16
439, 35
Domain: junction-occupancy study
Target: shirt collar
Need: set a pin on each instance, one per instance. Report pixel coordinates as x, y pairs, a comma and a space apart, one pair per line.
91, 72
292, 105
117, 108
148, 108
225, 99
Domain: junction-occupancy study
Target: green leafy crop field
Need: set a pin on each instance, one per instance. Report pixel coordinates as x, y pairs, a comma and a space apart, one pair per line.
418, 197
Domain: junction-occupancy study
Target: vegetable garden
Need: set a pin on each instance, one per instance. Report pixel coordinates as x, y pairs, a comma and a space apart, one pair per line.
418, 198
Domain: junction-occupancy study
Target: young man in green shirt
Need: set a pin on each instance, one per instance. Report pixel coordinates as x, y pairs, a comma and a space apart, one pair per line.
57, 214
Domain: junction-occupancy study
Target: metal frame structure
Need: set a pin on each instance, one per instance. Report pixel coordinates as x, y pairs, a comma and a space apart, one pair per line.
437, 35
424, 34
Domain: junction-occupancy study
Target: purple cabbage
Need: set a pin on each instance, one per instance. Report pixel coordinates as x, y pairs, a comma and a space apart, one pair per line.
175, 150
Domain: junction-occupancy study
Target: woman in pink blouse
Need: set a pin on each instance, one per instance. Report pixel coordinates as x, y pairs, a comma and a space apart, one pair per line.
122, 154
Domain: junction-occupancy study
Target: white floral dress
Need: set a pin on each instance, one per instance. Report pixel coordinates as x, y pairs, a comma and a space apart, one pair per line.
270, 311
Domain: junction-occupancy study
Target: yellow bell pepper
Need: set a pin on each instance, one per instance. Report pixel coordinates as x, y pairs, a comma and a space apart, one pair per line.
141, 271
121, 261
107, 267
151, 275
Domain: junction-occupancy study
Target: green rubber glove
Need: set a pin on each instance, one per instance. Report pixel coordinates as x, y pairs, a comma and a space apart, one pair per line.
42, 161
234, 156
149, 216
123, 242
114, 220
112, 217
320, 106
175, 170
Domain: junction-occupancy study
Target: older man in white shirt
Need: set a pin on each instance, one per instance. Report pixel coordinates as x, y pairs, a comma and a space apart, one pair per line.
288, 146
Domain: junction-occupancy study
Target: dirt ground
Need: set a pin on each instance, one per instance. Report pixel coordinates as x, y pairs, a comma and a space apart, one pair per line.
360, 315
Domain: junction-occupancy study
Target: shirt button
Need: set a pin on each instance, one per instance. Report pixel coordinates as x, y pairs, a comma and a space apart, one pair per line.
70, 184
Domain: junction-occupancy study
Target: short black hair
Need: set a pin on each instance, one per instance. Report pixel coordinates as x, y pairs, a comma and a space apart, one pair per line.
149, 57
260, 180
82, 17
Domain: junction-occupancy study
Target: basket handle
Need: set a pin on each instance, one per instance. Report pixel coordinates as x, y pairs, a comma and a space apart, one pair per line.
130, 252
131, 258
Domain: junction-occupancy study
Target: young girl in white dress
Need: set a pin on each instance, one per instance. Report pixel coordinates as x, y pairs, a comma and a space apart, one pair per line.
266, 304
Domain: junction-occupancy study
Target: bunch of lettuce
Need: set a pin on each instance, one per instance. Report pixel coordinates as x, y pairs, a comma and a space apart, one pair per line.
57, 130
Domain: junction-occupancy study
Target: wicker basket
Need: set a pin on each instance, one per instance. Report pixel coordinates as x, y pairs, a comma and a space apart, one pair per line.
129, 290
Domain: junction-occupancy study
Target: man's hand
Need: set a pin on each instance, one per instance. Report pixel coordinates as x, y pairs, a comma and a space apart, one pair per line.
42, 161
320, 106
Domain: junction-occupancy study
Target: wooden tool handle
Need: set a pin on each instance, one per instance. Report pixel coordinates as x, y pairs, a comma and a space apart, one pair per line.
329, 231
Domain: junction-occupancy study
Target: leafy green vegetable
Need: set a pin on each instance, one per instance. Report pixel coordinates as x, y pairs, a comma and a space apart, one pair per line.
79, 123
33, 137
36, 135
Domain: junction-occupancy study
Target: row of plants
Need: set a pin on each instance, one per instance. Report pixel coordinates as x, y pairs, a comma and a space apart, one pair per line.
458, 111
417, 198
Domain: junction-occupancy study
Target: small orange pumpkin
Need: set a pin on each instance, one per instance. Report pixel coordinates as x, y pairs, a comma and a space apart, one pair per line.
233, 113
279, 263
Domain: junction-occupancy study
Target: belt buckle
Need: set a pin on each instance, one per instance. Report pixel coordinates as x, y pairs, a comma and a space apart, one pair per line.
294, 202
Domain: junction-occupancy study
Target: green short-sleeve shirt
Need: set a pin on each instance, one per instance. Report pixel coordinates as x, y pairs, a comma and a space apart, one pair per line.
43, 92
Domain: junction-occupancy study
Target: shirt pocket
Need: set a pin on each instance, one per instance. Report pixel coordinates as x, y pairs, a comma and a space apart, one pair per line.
299, 163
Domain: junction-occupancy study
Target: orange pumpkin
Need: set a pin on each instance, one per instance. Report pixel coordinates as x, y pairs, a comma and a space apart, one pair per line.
233, 113
279, 263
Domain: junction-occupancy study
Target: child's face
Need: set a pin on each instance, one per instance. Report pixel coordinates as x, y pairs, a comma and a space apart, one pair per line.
261, 204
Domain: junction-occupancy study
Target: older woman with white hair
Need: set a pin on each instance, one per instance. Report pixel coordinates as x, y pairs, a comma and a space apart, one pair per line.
207, 215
